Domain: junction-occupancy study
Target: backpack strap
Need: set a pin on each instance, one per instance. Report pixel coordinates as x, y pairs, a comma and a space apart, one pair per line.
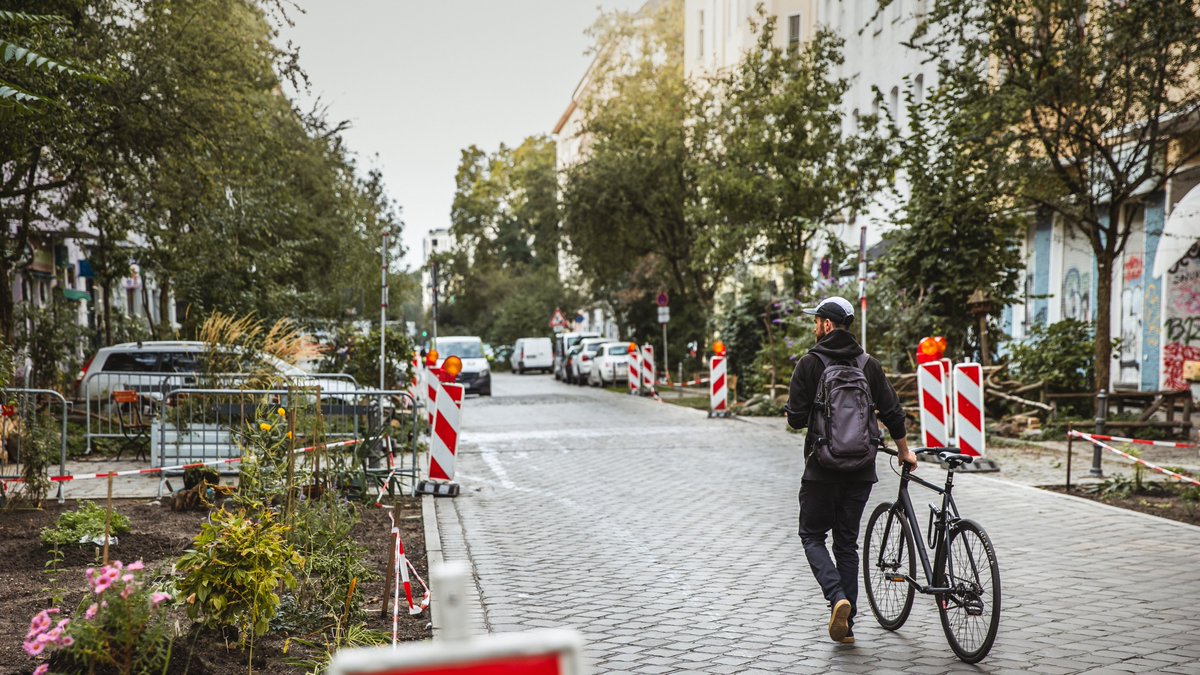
825, 360
861, 361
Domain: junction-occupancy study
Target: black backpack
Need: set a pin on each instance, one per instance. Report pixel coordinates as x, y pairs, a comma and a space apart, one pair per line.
843, 418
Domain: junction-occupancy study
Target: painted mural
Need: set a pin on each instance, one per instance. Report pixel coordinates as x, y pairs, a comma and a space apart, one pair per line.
1130, 356
1181, 327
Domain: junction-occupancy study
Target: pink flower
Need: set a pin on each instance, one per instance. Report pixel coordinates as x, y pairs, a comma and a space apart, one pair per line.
135, 566
102, 586
126, 592
34, 647
91, 612
158, 598
42, 669
66, 641
62, 625
128, 578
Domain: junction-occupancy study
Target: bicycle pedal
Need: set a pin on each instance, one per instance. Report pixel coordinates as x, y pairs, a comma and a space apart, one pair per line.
974, 607
896, 578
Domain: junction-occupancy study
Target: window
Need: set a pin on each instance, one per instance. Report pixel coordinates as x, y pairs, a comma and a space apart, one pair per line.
461, 349
793, 31
700, 49
131, 362
894, 103
617, 350
919, 90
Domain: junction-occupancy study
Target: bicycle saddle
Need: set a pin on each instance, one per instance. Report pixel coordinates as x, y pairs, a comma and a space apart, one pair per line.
955, 458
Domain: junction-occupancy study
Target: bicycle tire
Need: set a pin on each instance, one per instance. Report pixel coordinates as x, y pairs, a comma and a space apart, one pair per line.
977, 599
890, 600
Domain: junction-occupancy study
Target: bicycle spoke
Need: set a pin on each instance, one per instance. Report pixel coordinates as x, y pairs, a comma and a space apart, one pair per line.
970, 611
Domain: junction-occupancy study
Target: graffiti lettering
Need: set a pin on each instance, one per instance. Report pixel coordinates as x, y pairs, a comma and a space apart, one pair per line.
1076, 296
1184, 331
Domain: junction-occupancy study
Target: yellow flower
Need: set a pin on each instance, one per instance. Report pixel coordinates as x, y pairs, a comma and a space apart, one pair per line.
289, 435
282, 412
264, 426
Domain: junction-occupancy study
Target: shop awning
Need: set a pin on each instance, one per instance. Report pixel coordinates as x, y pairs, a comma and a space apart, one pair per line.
72, 294
1181, 230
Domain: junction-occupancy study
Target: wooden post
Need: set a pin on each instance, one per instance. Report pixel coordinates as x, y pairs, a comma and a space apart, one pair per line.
108, 518
1070, 442
387, 576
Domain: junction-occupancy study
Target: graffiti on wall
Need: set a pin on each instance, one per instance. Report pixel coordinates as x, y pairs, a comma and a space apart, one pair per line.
1181, 327
1130, 361
1077, 295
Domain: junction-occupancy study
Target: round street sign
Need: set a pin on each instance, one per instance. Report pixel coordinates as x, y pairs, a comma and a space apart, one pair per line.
663, 300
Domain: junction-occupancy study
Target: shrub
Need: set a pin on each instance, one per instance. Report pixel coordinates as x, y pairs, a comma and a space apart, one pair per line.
235, 571
84, 524
1061, 354
333, 559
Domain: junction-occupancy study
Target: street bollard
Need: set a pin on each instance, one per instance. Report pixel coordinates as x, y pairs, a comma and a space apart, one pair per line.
1070, 446
1101, 421
450, 587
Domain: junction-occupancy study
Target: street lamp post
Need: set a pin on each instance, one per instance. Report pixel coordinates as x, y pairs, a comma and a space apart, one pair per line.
383, 305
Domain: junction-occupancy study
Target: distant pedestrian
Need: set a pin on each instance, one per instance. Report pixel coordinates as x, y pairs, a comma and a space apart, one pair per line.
837, 392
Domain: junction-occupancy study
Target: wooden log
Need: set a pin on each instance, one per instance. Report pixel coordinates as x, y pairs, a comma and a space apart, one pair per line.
1017, 399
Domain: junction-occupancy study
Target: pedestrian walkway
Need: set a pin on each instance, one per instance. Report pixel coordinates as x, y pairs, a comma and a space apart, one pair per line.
668, 540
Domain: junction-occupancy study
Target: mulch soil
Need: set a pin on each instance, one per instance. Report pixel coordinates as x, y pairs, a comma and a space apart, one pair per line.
1166, 500
158, 537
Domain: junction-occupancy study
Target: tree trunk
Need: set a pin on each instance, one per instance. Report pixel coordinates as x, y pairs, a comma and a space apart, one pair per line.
146, 308
106, 288
164, 308
1103, 343
7, 321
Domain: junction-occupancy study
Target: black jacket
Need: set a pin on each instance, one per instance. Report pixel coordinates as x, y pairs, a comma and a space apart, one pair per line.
839, 345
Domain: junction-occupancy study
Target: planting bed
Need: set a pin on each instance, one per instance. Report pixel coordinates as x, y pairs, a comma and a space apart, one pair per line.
158, 537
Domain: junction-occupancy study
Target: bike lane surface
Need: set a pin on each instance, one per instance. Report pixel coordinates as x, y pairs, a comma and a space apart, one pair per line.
669, 540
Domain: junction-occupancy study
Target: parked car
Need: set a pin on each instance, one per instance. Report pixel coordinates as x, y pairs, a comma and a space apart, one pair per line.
536, 353
563, 342
610, 364
155, 367
476, 375
581, 363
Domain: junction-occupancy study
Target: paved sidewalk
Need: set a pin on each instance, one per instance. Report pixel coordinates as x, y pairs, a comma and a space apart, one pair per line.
668, 540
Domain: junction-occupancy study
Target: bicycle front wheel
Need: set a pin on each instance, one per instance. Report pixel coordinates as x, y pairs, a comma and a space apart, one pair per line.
971, 610
888, 557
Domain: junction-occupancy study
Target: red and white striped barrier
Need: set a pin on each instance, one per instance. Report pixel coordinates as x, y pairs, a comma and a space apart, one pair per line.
178, 467
648, 369
431, 392
635, 371
1138, 441
443, 437
931, 392
968, 409
948, 384
717, 393
1095, 440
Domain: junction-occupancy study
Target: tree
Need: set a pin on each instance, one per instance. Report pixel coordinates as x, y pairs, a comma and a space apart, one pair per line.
1098, 102
952, 204
632, 215
779, 163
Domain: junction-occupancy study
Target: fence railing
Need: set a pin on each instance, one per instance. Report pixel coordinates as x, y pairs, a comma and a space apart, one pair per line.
19, 409
108, 418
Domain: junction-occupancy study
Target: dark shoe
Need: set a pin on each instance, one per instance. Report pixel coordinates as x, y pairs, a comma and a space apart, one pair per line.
839, 620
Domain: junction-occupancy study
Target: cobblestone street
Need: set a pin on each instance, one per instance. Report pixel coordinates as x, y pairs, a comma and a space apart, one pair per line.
668, 540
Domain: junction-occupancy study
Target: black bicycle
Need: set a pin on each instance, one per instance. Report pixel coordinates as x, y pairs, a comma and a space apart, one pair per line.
964, 577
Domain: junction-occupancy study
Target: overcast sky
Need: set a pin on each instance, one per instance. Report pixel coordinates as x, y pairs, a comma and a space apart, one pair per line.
420, 80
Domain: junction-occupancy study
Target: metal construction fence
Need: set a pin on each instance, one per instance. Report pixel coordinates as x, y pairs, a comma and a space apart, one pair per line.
118, 405
208, 425
30, 417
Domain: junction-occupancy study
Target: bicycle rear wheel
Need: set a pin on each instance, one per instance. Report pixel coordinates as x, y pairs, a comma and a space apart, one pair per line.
971, 611
888, 555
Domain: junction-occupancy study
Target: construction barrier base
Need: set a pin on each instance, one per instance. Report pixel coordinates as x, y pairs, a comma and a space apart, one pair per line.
437, 488
724, 414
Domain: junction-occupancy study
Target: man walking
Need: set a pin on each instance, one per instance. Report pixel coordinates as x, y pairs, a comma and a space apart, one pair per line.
829, 382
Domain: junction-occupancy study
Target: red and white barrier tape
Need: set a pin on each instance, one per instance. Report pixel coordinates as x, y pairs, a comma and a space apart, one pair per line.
178, 467
687, 383
1138, 441
1137, 460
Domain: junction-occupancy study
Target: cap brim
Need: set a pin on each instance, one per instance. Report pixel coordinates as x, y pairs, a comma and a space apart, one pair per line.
810, 312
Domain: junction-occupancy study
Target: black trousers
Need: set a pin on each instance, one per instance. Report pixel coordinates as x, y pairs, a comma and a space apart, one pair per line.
835, 507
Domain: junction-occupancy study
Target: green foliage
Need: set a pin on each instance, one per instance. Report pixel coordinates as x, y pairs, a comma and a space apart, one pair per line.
40, 448
743, 330
235, 571
20, 59
83, 524
357, 355
777, 161
898, 317
51, 338
1060, 354
321, 532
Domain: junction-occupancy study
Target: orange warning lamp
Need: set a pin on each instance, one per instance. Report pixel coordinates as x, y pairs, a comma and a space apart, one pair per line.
931, 349
431, 358
719, 348
632, 347
452, 366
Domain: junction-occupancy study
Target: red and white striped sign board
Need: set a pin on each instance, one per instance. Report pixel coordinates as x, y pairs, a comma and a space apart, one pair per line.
536, 652
635, 371
429, 388
968, 409
718, 396
948, 385
931, 390
648, 368
443, 438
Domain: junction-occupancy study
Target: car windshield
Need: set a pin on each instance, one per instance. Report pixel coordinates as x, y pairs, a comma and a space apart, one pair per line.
617, 350
463, 349
592, 349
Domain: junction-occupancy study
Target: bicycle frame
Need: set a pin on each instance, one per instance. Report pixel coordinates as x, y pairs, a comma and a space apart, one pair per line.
946, 517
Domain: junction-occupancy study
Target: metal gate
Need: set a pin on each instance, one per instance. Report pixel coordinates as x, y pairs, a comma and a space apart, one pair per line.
20, 410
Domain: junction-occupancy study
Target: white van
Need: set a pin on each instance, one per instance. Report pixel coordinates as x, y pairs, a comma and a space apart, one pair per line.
562, 344
533, 353
476, 376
